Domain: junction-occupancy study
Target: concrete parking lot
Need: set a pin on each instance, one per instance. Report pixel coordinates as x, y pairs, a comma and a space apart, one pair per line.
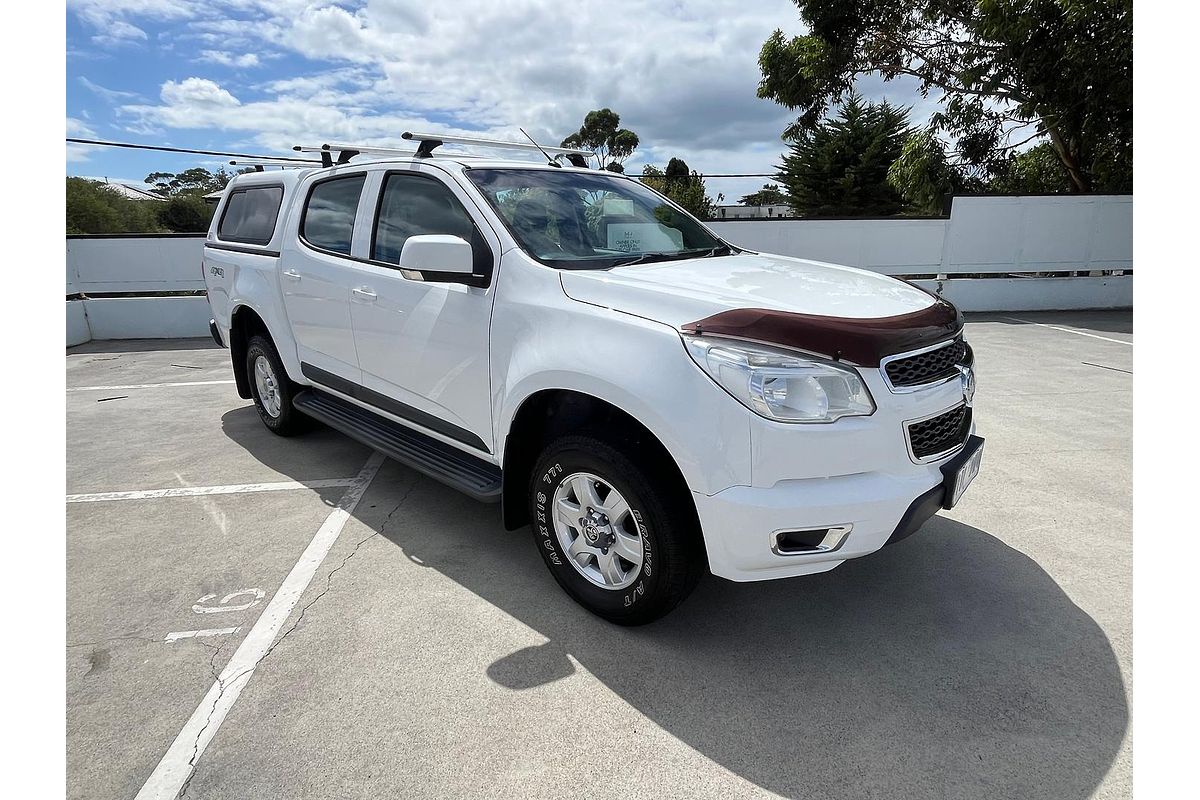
432, 655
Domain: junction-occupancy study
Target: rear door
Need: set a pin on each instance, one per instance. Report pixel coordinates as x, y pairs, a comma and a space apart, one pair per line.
242, 237
422, 337
317, 274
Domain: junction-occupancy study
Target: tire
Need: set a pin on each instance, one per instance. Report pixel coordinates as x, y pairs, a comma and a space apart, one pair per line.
606, 582
275, 409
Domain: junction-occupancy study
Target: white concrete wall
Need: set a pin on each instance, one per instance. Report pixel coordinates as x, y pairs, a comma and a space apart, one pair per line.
982, 235
135, 264
78, 331
1035, 294
996, 236
147, 317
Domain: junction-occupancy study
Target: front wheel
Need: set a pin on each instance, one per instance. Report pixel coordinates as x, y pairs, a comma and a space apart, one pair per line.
616, 537
272, 390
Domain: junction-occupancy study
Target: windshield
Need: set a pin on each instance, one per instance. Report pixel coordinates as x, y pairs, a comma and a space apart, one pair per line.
576, 220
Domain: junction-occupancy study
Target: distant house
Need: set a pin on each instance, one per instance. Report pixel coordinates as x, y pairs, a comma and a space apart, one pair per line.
753, 212
130, 189
212, 198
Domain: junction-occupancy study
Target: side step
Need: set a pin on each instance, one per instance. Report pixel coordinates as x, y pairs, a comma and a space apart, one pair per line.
470, 475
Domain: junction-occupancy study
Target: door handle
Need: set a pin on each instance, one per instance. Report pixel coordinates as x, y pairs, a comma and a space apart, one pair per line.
365, 294
291, 274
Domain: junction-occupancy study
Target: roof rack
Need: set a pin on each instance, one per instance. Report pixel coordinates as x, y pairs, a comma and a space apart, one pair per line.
428, 142
259, 163
348, 151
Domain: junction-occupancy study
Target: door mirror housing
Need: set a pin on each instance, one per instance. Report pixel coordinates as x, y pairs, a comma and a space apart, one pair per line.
437, 253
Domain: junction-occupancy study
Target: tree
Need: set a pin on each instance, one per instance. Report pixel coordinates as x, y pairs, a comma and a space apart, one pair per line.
602, 134
1037, 170
94, 207
685, 187
194, 181
769, 195
185, 213
924, 175
1009, 72
840, 167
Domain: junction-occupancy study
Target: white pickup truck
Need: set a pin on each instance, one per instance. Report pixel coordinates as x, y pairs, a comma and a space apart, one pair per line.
653, 401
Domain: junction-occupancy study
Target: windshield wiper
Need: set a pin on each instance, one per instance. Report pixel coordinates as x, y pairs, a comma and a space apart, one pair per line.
703, 252
645, 257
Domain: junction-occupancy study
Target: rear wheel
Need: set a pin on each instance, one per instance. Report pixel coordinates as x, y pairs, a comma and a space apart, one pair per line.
272, 390
613, 534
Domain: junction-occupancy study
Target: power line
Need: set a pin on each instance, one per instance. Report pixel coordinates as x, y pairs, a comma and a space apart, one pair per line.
131, 146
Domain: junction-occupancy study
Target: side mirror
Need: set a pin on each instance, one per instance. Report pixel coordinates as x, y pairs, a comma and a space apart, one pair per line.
437, 253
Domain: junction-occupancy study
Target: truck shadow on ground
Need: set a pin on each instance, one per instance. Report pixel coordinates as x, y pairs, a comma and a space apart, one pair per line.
948, 665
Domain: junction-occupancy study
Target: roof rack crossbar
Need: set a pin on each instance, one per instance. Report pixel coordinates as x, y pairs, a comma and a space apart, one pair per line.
436, 139
259, 163
428, 142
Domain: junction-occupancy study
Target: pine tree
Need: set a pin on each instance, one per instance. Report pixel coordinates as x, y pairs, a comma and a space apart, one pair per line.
840, 167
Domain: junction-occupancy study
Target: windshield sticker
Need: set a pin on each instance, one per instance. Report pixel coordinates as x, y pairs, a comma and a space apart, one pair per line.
644, 237
619, 207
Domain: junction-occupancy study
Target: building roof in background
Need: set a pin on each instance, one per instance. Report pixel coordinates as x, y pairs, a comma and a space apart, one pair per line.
130, 189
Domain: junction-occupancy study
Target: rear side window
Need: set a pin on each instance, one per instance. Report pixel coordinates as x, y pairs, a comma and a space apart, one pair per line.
329, 215
413, 205
250, 215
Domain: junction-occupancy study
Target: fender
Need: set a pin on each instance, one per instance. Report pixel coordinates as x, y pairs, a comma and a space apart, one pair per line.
649, 388
253, 290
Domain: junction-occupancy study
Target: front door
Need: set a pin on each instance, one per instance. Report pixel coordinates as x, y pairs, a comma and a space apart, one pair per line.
423, 344
317, 275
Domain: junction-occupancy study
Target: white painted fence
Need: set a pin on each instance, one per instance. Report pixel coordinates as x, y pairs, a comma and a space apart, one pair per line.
135, 265
1000, 238
982, 235
1003, 238
105, 264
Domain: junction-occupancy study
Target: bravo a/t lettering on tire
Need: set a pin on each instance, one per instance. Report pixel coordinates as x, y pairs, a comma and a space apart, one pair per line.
613, 537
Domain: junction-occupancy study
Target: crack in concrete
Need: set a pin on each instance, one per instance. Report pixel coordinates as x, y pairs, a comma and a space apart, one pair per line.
222, 685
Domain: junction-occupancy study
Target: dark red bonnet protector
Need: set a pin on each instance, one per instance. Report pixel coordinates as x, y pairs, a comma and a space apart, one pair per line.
862, 342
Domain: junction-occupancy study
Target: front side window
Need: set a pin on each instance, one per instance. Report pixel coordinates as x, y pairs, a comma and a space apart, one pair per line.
413, 205
250, 215
329, 215
578, 220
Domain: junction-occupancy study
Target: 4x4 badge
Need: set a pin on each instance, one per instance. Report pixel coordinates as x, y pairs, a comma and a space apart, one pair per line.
967, 376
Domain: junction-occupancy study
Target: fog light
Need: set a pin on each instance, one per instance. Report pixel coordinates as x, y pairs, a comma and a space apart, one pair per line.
811, 540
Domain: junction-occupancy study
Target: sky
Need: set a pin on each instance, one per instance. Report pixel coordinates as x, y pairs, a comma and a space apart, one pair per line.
259, 76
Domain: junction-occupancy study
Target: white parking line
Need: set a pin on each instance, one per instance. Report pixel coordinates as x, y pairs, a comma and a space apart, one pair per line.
1069, 330
143, 386
176, 766
204, 491
177, 635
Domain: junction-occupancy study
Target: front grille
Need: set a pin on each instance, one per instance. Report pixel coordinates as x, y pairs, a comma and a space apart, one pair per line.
929, 367
940, 434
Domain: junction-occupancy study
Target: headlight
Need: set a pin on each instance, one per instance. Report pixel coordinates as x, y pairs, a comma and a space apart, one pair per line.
780, 385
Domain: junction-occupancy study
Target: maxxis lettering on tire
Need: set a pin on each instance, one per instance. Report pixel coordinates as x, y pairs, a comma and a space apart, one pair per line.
541, 523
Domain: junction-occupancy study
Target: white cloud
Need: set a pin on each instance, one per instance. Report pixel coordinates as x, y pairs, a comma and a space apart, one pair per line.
111, 95
228, 59
684, 76
78, 129
197, 92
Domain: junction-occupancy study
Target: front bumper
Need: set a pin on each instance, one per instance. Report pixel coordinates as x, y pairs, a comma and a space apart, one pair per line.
841, 517
741, 523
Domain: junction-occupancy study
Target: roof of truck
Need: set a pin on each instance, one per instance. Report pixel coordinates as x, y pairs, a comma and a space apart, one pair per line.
291, 175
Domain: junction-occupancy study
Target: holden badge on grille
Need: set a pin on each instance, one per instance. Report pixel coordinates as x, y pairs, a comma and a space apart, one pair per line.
967, 376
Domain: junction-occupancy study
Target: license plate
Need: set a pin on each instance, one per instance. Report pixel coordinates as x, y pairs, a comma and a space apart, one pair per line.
964, 474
